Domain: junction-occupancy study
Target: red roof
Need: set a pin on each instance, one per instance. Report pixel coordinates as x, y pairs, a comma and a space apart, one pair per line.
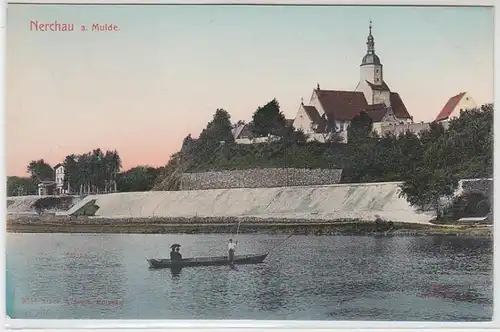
315, 118
345, 105
382, 86
313, 114
398, 107
449, 107
342, 105
376, 112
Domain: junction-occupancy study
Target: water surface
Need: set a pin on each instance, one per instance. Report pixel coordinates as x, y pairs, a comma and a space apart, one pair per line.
103, 276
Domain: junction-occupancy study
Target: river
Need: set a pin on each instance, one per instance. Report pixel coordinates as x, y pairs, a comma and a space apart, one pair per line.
106, 276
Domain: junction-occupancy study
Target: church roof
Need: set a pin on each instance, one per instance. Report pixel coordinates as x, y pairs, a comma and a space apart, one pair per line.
398, 107
313, 114
376, 112
449, 107
382, 86
345, 105
370, 59
242, 131
342, 105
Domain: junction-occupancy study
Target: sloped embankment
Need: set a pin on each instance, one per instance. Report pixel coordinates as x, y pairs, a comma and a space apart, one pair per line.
331, 202
27, 204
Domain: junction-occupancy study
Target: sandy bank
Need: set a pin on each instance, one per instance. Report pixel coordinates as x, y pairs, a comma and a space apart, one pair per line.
221, 225
363, 202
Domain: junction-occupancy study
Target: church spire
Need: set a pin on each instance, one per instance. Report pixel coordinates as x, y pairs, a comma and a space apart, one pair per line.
370, 43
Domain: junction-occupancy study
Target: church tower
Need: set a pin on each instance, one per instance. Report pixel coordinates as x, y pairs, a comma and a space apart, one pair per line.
371, 80
371, 68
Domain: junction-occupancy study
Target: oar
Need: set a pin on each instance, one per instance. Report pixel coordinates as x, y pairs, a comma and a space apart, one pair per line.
276, 246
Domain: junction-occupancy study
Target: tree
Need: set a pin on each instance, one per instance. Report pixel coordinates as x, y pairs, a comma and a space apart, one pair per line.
93, 171
329, 130
465, 150
20, 186
115, 165
268, 120
435, 131
360, 128
219, 129
169, 177
39, 170
140, 178
72, 176
426, 186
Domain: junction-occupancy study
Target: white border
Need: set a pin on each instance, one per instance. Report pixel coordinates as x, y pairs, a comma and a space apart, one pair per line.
238, 325
453, 3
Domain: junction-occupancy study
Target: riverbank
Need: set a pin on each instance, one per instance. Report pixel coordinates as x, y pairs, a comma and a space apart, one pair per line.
362, 201
52, 224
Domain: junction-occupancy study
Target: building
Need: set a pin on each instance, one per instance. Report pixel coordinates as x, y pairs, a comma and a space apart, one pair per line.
56, 187
242, 131
242, 134
454, 106
372, 95
59, 179
46, 187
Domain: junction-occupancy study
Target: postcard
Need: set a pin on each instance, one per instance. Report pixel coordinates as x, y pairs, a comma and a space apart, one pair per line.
249, 162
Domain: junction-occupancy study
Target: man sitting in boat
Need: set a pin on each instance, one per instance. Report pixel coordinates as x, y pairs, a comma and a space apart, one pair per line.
231, 246
175, 255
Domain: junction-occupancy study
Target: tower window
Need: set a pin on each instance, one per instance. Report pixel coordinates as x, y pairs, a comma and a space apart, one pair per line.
376, 71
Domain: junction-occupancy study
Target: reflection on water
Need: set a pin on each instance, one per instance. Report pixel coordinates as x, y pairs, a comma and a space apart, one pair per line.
434, 278
176, 271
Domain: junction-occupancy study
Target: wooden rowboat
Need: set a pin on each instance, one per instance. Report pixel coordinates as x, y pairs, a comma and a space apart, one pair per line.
205, 261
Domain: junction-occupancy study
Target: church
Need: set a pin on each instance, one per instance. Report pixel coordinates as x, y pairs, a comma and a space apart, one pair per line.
371, 95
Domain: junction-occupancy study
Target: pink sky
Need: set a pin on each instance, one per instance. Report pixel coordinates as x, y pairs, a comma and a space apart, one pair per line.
163, 75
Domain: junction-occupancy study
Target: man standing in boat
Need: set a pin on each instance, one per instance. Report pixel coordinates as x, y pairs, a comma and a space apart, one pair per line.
231, 246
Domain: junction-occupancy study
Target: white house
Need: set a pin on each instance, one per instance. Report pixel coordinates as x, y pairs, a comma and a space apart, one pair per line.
371, 95
59, 179
454, 105
242, 134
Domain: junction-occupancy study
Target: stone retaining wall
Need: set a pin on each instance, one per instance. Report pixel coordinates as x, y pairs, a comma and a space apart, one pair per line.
259, 178
483, 186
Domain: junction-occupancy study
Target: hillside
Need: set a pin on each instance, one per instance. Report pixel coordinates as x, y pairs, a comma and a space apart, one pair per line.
429, 165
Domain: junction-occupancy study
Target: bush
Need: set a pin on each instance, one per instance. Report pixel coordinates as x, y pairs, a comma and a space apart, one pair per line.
467, 206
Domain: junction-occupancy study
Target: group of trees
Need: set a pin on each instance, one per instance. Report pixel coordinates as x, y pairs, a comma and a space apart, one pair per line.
139, 178
442, 157
215, 148
92, 172
20, 186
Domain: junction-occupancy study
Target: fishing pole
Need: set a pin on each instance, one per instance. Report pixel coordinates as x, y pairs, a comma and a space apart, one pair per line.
238, 229
289, 236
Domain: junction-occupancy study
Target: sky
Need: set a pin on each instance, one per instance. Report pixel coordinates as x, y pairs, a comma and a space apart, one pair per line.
142, 89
